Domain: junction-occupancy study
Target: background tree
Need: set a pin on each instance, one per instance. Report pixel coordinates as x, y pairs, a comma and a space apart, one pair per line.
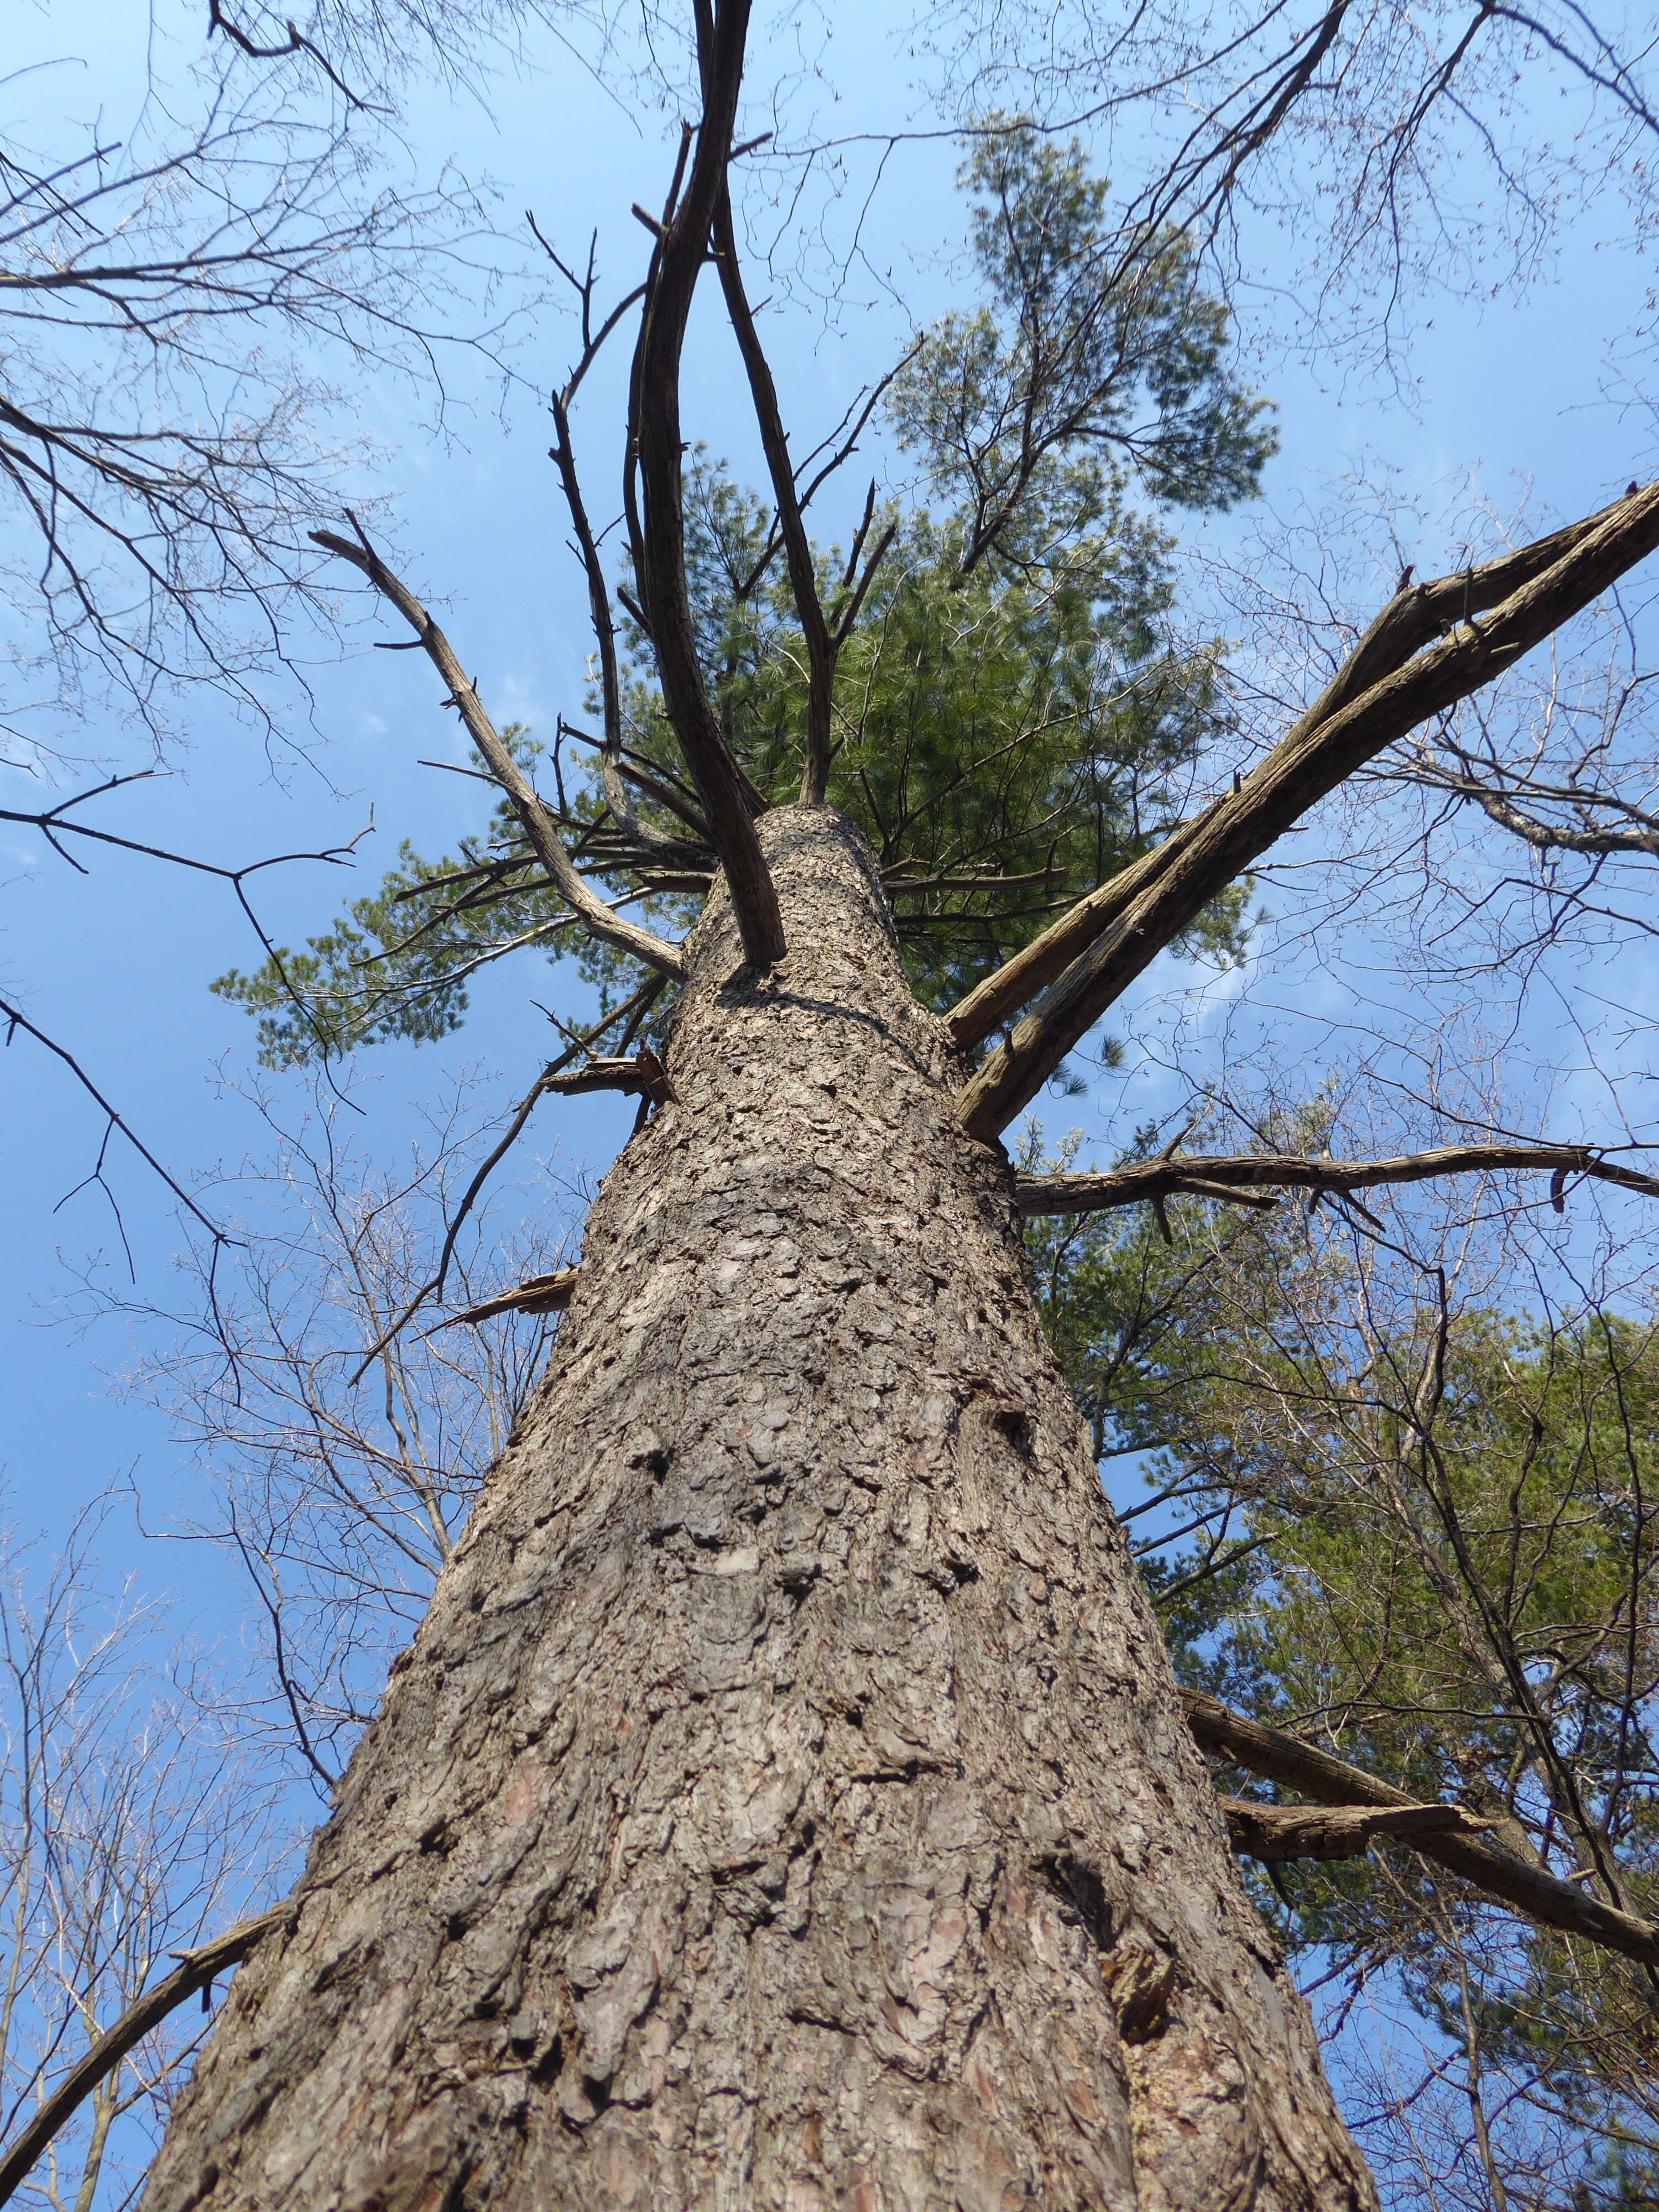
185, 300
1424, 1521
131, 1825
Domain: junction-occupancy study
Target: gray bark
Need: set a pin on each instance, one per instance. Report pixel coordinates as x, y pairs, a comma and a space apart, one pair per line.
786, 1802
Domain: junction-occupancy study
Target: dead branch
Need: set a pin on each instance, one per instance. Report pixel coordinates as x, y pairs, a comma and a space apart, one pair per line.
1336, 1832
1331, 1781
651, 785
1240, 1177
1490, 616
632, 1010
642, 1074
601, 921
198, 1970
658, 527
540, 1294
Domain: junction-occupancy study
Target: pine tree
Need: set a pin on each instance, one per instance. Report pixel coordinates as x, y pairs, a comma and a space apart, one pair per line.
786, 1800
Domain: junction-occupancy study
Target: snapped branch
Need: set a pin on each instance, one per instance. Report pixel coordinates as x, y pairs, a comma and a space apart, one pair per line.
540, 1294
1277, 1832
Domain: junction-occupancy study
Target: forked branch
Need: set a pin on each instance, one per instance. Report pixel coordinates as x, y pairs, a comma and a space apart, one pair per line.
601, 921
1394, 680
1242, 1177
1277, 1832
681, 248
1330, 1781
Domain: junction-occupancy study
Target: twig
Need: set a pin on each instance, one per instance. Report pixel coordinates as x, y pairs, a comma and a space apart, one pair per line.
15, 1020
635, 1008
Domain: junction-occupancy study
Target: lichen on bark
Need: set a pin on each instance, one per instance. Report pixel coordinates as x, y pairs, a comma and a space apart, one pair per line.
786, 1802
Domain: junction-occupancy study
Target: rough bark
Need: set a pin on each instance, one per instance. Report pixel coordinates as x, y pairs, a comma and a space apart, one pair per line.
786, 1802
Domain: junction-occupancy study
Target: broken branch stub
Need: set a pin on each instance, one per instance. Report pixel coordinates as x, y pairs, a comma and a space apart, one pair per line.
642, 1074
538, 1294
1279, 1832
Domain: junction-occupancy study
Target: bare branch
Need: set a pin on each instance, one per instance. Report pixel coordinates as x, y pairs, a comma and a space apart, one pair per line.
1415, 616
198, 1970
601, 921
1331, 1781
797, 547
295, 43
562, 452
1376, 697
1240, 1177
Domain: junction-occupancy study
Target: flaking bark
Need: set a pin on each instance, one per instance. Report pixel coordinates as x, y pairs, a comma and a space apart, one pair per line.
786, 1802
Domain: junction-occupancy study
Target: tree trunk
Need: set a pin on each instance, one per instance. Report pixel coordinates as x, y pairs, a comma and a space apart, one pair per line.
786, 1802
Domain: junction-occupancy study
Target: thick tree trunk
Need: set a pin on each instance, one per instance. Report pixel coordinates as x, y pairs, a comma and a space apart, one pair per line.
786, 1802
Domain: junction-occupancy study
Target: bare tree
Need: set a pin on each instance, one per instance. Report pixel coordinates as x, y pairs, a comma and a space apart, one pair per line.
1358, 131
185, 302
341, 1504
129, 1826
181, 304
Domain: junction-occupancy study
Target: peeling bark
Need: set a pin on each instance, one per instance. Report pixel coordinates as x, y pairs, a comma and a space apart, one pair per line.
786, 1802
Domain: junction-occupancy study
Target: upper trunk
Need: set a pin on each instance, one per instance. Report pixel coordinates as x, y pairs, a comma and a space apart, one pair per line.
785, 1802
